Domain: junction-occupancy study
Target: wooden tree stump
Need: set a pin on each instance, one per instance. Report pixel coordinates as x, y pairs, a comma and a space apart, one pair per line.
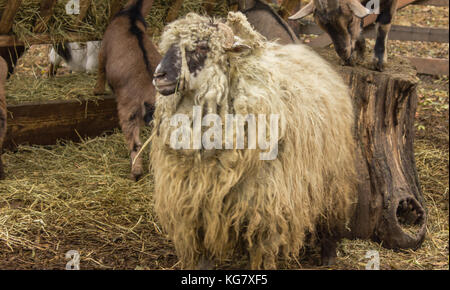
391, 208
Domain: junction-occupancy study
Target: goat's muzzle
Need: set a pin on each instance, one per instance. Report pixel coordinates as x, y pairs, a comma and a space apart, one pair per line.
162, 85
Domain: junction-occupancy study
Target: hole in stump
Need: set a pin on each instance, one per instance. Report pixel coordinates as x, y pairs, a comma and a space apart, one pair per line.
410, 215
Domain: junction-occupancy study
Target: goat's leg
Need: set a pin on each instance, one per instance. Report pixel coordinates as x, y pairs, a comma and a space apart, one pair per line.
360, 44
101, 73
205, 264
55, 62
3, 110
328, 250
360, 48
130, 122
383, 25
2, 135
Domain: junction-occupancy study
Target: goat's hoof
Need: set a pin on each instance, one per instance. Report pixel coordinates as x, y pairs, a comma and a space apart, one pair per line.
378, 65
135, 176
98, 92
351, 61
205, 264
328, 261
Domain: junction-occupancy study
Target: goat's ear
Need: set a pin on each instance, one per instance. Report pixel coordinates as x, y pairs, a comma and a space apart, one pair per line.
358, 9
305, 11
238, 46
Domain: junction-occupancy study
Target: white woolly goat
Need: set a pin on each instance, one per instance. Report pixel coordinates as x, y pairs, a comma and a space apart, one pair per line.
215, 203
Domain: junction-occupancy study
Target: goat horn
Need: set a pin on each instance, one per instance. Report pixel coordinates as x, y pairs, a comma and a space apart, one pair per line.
305, 11
229, 35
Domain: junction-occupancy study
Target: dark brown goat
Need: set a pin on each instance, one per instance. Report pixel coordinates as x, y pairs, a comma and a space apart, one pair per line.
127, 60
11, 54
3, 75
266, 21
342, 20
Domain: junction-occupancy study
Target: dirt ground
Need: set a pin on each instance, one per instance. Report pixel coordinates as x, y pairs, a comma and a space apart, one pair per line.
76, 196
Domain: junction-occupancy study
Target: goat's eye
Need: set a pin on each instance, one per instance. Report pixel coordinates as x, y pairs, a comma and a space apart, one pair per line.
202, 47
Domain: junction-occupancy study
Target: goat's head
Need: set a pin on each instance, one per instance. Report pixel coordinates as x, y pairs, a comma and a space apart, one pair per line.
341, 19
195, 51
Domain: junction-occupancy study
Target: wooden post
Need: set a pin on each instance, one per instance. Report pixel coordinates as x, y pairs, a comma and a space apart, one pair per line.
391, 208
9, 13
10, 52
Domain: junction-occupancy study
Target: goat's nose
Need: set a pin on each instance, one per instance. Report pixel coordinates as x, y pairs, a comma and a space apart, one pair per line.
157, 74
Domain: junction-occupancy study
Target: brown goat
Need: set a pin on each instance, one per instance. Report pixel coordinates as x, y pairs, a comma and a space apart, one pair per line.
342, 20
266, 21
3, 75
127, 60
11, 54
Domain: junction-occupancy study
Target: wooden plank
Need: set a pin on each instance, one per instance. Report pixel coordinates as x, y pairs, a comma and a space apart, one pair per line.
45, 123
430, 66
9, 13
437, 3
411, 33
324, 40
10, 40
397, 32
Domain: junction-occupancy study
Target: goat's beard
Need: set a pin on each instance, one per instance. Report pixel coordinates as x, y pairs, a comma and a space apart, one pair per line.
209, 90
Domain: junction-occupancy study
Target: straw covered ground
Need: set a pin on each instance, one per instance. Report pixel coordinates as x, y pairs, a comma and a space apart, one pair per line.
76, 196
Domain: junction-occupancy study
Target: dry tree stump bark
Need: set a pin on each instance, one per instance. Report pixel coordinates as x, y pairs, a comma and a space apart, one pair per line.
391, 208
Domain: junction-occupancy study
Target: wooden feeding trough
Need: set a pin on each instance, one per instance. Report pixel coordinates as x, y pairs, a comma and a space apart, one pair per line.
45, 122
391, 207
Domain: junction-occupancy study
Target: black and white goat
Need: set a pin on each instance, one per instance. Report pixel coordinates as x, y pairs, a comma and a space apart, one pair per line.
79, 57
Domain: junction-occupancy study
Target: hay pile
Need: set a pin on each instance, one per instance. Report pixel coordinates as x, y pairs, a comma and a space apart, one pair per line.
77, 197
96, 20
23, 89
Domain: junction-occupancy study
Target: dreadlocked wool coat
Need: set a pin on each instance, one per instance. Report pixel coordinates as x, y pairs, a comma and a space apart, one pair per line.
212, 203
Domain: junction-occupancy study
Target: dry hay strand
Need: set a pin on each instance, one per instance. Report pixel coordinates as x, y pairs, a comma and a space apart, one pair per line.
78, 197
95, 22
160, 9
60, 23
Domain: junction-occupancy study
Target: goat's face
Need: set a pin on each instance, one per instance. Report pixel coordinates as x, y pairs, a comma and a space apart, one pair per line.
167, 74
341, 19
